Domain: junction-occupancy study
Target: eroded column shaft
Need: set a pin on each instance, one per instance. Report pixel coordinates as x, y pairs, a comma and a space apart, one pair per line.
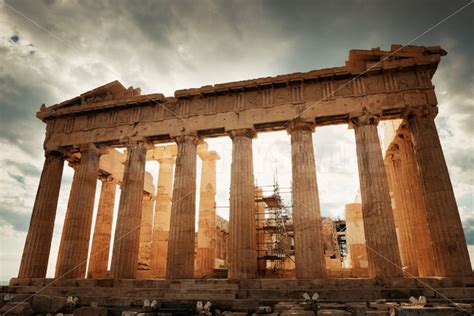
449, 243
309, 252
180, 261
242, 254
161, 226
34, 262
144, 252
127, 232
207, 230
99, 256
74, 246
379, 227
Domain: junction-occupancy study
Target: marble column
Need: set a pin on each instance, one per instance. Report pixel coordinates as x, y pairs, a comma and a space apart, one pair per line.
74, 246
381, 238
34, 262
99, 256
144, 252
309, 252
449, 244
180, 261
127, 231
397, 181
161, 226
416, 208
242, 252
207, 230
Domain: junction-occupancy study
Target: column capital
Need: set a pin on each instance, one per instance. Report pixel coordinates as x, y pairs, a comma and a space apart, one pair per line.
243, 132
300, 125
139, 143
393, 152
166, 160
365, 118
424, 111
104, 177
54, 153
87, 148
209, 155
190, 138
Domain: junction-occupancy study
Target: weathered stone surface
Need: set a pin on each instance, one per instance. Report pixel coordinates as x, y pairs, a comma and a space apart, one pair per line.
309, 253
181, 243
74, 246
90, 311
333, 312
242, 256
34, 262
16, 308
48, 304
379, 226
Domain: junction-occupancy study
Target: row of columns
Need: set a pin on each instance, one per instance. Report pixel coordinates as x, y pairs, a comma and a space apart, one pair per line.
442, 217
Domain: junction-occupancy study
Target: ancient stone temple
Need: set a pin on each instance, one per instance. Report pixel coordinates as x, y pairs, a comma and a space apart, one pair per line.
407, 224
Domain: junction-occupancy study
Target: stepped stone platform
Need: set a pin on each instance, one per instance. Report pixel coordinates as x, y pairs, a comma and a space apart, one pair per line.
180, 296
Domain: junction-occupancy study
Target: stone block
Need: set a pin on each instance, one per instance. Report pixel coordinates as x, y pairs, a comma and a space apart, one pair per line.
48, 304
20, 281
333, 312
86, 283
429, 311
300, 313
91, 311
105, 283
38, 281
16, 308
377, 313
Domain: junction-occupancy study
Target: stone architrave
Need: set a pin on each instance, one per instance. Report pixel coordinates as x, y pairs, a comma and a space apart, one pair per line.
242, 254
127, 231
74, 246
380, 234
181, 243
207, 230
34, 262
161, 226
99, 256
309, 251
146, 227
449, 243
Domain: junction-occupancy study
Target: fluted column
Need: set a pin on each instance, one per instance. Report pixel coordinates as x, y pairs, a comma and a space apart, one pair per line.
416, 208
74, 246
207, 230
161, 226
144, 252
180, 261
449, 243
242, 254
99, 256
379, 227
395, 165
127, 231
309, 252
34, 262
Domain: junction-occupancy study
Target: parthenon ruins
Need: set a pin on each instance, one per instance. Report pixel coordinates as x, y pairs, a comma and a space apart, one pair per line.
406, 225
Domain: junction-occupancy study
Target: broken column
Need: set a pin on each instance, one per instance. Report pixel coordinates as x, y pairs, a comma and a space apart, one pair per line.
127, 231
180, 261
34, 262
144, 251
206, 237
381, 238
74, 246
449, 243
242, 255
309, 253
99, 256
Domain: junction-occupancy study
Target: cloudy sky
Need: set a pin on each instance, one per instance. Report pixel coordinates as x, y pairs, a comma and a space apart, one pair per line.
54, 50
